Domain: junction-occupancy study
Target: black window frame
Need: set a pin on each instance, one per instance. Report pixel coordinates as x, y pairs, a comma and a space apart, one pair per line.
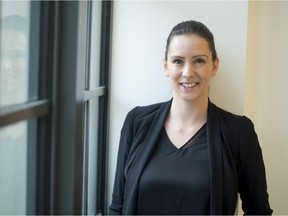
57, 164
80, 25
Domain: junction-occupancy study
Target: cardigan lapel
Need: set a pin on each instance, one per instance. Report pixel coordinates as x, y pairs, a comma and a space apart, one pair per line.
143, 156
215, 159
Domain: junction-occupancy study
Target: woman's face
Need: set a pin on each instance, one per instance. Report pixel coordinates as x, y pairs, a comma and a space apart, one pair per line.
190, 66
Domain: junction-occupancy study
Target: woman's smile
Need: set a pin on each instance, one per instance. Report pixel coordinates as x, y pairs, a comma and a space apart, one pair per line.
189, 84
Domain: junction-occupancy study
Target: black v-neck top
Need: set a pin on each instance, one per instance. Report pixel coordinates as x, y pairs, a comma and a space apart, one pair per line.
176, 181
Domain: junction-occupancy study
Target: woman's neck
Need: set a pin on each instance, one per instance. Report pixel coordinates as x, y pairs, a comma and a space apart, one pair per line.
188, 113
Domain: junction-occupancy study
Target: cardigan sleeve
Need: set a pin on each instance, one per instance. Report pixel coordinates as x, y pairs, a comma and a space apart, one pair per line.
251, 173
126, 139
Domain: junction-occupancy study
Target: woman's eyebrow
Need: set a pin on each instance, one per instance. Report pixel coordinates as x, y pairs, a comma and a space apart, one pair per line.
197, 56
176, 56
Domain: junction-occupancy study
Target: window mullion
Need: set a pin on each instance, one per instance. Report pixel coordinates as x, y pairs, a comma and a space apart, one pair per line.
14, 113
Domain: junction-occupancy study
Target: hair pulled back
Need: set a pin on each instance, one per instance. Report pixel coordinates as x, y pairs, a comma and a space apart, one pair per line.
192, 27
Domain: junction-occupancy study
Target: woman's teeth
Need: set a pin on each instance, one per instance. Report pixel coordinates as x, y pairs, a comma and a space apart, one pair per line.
188, 85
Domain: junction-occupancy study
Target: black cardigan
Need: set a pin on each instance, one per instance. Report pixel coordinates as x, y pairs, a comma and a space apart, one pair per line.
235, 160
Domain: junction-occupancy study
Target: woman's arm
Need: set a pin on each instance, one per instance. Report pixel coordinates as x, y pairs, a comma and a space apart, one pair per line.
123, 152
251, 173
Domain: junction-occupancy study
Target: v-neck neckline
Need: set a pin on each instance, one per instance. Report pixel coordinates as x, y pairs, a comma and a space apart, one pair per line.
187, 144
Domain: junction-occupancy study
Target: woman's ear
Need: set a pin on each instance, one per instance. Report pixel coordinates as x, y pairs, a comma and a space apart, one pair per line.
215, 66
166, 73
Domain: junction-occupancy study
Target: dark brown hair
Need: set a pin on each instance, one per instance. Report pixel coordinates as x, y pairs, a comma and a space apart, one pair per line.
192, 27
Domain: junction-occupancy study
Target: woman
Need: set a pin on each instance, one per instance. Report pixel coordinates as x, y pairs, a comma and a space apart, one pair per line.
187, 156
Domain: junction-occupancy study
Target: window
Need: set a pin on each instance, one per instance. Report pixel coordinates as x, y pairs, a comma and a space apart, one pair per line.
54, 106
83, 67
13, 166
14, 78
95, 97
22, 108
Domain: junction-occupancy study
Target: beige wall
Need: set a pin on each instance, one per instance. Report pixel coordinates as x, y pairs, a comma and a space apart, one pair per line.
266, 90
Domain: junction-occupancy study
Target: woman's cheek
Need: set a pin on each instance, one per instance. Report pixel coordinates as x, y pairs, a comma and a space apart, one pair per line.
175, 74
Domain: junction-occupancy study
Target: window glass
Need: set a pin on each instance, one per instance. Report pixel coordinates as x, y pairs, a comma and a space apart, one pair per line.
95, 45
13, 168
92, 119
14, 44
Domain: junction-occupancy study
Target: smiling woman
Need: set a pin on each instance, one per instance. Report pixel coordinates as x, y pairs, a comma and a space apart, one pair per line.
190, 65
188, 156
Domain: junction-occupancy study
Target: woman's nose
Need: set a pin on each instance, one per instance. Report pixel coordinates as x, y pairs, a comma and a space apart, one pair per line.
188, 71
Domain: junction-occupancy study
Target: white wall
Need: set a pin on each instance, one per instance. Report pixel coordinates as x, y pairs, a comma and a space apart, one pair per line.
140, 29
266, 92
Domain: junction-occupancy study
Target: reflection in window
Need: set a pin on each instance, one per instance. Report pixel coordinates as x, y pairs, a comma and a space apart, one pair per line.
13, 168
14, 43
14, 56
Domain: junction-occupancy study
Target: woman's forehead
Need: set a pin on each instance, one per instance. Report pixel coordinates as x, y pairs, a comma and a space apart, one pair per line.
188, 43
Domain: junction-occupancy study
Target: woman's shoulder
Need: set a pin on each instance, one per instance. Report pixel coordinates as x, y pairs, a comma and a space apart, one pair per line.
146, 111
231, 119
143, 118
237, 129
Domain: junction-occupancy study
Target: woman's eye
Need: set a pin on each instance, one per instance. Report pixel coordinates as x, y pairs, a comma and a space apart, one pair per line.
177, 61
199, 61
